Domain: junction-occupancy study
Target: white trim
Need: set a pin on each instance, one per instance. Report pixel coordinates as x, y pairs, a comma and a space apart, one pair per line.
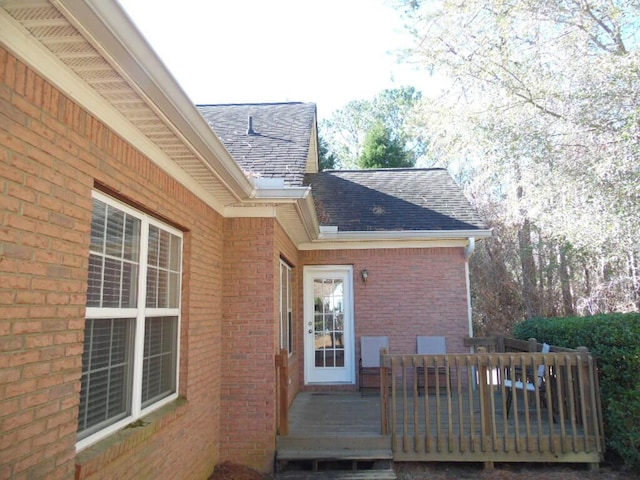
329, 234
381, 244
280, 194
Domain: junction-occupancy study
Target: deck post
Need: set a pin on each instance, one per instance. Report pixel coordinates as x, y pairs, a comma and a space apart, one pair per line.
282, 365
532, 345
590, 421
384, 394
485, 401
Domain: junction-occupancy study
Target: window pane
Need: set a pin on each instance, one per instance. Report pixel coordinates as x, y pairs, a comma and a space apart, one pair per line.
115, 232
176, 253
152, 287
97, 226
129, 286
111, 286
159, 367
106, 373
113, 264
94, 287
163, 280
163, 289
174, 290
163, 249
154, 238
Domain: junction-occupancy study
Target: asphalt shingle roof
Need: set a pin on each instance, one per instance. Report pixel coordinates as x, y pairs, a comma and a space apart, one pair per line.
279, 146
391, 200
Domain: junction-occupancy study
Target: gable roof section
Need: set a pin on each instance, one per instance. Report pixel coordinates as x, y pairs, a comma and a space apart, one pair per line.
280, 140
393, 200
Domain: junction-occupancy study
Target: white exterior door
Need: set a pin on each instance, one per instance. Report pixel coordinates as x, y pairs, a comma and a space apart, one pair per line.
329, 353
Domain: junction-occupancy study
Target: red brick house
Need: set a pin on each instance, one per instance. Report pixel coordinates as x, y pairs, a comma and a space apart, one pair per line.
155, 256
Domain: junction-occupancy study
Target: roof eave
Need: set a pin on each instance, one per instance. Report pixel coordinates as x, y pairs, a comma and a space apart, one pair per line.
112, 32
328, 234
330, 239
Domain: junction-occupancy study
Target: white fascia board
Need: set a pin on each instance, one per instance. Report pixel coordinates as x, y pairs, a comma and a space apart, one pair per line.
404, 235
280, 194
382, 244
307, 212
111, 32
330, 239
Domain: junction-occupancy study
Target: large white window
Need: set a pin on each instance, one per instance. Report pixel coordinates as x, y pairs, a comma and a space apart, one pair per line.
286, 300
131, 344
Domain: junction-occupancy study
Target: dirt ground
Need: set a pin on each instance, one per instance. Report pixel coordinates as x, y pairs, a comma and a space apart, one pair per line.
444, 471
512, 471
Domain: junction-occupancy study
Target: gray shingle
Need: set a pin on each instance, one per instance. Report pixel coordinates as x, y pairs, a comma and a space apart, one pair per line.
280, 144
391, 200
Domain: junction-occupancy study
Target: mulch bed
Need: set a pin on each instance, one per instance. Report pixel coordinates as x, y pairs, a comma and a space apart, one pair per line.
233, 471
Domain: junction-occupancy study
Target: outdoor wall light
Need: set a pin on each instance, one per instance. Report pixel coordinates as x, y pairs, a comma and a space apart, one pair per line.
365, 275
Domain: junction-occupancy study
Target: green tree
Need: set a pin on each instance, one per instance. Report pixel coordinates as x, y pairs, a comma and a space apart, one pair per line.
382, 150
542, 117
397, 109
327, 160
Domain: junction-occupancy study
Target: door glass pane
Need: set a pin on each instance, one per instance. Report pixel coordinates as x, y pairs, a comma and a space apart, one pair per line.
328, 322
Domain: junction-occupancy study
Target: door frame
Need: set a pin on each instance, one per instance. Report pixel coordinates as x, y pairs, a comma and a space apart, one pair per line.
347, 374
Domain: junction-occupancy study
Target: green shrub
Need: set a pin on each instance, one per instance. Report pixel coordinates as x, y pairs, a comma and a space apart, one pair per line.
614, 340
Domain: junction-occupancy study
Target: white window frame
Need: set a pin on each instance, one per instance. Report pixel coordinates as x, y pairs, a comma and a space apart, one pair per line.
286, 311
140, 313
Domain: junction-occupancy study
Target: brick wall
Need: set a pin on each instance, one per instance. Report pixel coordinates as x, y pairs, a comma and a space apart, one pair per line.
409, 292
249, 342
287, 250
52, 154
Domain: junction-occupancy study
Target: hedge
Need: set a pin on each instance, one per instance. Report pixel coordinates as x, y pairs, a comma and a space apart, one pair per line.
614, 340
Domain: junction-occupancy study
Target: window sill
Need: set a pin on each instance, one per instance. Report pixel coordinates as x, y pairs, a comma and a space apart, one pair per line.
100, 455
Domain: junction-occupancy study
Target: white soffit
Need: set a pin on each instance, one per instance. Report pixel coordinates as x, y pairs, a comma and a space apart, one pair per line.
40, 35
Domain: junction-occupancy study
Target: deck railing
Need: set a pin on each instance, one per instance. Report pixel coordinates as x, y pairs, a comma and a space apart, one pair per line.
468, 407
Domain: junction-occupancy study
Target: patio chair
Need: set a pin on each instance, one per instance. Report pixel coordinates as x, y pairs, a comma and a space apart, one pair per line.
370, 358
427, 345
529, 384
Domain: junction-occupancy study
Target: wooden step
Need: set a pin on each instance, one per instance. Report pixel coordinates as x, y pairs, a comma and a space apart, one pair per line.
337, 475
375, 442
326, 455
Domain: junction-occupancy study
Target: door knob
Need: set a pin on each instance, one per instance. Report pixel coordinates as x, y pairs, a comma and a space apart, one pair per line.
310, 331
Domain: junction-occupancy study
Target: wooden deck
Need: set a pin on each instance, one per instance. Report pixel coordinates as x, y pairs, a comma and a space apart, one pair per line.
339, 414
463, 417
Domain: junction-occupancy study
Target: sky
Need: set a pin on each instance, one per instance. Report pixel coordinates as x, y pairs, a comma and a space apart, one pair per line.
328, 52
